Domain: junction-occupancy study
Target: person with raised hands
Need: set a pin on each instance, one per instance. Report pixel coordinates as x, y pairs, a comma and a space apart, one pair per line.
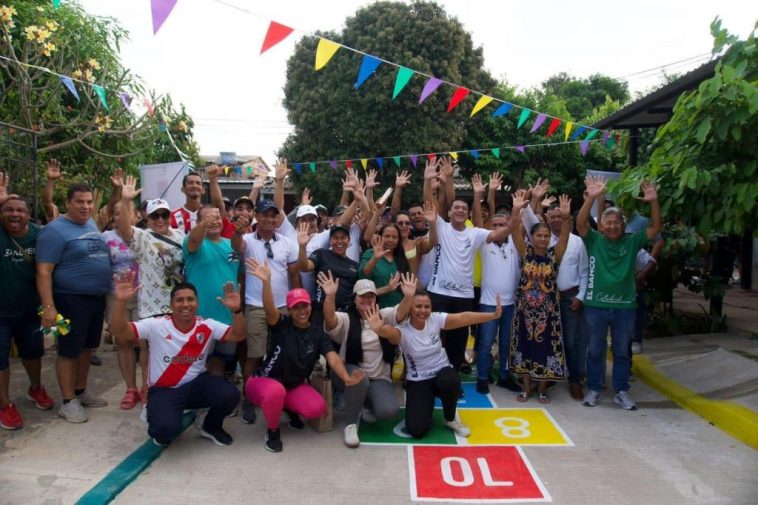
179, 346
54, 175
280, 383
536, 346
360, 347
610, 301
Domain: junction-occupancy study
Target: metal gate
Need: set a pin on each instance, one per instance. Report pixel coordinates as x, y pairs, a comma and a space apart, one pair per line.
18, 159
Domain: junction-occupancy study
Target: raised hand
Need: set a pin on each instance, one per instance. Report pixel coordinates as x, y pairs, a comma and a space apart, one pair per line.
371, 179
595, 186
540, 189
117, 179
231, 299
446, 167
430, 212
402, 179
477, 185
650, 192
129, 189
430, 168
280, 169
565, 206
303, 234
328, 284
5, 180
394, 281
350, 182
258, 269
123, 285
241, 225
213, 171
374, 318
408, 284
549, 201
496, 180
306, 198
53, 170
259, 182
519, 199
376, 244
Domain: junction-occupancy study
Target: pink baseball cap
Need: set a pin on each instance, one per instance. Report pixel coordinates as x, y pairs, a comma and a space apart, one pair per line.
296, 296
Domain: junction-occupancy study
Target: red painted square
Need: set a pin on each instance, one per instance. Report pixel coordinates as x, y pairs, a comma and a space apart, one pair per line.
451, 473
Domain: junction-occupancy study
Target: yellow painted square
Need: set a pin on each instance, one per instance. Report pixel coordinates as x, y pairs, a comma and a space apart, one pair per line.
512, 427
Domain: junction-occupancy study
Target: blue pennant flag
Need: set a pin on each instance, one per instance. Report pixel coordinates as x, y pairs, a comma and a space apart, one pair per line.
368, 67
502, 110
70, 86
578, 132
380, 163
475, 154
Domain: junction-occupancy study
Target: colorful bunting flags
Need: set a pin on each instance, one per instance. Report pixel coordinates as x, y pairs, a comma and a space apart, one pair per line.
69, 84
414, 159
569, 126
592, 134
312, 166
56, 4
324, 52
431, 156
161, 10
553, 126
333, 164
520, 149
431, 85
578, 132
364, 163
504, 109
100, 92
397, 161
496, 152
403, 77
368, 67
298, 168
125, 99
538, 122
454, 155
348, 163
275, 34
525, 113
380, 163
583, 146
480, 104
150, 108
457, 98
474, 154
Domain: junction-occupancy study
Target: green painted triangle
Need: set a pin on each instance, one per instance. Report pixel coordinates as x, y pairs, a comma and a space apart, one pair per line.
496, 152
403, 76
523, 117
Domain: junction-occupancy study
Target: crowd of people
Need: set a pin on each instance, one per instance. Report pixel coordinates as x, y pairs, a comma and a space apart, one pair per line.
193, 294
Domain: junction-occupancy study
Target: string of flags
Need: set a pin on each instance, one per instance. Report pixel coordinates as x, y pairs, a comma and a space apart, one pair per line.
608, 140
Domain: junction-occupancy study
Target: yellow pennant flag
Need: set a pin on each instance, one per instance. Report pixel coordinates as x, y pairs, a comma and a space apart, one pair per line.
454, 155
324, 52
482, 103
364, 163
226, 170
566, 134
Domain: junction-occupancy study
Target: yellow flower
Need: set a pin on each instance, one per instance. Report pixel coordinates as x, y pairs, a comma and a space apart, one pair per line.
77, 74
92, 62
52, 26
103, 122
40, 8
6, 14
49, 49
88, 76
30, 32
42, 35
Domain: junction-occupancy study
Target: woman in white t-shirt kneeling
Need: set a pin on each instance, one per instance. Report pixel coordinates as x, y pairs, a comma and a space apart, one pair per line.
429, 372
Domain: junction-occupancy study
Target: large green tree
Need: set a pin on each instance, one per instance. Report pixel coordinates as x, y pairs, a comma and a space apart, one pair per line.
333, 120
583, 96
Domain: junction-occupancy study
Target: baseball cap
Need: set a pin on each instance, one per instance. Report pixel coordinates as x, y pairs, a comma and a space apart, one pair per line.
157, 204
244, 199
364, 286
339, 209
227, 202
266, 205
298, 295
306, 210
338, 228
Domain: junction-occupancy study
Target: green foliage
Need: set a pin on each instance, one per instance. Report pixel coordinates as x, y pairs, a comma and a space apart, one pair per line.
584, 96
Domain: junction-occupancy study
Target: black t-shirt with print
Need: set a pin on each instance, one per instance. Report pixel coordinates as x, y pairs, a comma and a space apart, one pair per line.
342, 268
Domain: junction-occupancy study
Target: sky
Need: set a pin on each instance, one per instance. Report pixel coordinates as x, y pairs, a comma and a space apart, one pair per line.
206, 55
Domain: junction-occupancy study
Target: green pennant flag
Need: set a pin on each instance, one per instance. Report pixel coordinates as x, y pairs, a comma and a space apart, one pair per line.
100, 92
594, 132
397, 161
611, 143
312, 166
56, 4
523, 117
496, 152
403, 76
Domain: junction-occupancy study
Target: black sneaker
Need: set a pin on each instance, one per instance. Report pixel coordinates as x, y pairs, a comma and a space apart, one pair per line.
509, 384
465, 369
218, 436
482, 386
95, 360
273, 441
295, 422
248, 413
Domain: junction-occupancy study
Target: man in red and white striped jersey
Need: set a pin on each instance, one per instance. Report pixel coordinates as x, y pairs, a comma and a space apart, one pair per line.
179, 345
185, 217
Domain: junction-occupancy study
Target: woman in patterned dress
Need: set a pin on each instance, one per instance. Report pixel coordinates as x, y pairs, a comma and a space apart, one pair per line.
536, 348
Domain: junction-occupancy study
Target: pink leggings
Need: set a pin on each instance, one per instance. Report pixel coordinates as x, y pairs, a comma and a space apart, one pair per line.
272, 398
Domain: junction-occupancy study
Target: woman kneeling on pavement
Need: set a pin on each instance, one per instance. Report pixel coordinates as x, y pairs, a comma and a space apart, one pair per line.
430, 373
296, 343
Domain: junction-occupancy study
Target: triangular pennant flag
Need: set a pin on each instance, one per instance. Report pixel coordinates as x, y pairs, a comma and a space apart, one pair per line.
618, 137
592, 134
606, 136
161, 10
249, 170
414, 159
520, 149
125, 99
56, 4
569, 126
276, 33
474, 154
324, 52
364, 163
226, 170
238, 170
458, 97
585, 144
403, 76
611, 143
480, 104
368, 67
431, 85
553, 126
397, 161
333, 164
380, 163
431, 157
525, 113
100, 92
504, 109
538, 122
69, 83
298, 167
162, 127
578, 132
496, 152
454, 155
312, 166
150, 108
348, 163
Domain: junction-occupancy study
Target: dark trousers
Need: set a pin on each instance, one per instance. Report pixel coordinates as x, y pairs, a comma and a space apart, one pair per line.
453, 340
165, 406
419, 400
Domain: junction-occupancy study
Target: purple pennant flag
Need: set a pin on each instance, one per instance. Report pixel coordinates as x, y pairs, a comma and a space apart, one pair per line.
520, 149
585, 144
70, 86
161, 10
431, 85
538, 122
333, 164
125, 99
414, 159
606, 135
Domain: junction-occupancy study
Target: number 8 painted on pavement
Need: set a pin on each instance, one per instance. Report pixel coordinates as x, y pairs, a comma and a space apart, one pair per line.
511, 431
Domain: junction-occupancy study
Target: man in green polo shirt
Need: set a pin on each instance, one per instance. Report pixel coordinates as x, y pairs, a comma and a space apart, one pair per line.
611, 301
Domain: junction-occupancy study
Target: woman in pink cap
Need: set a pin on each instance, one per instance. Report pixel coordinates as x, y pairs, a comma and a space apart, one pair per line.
295, 345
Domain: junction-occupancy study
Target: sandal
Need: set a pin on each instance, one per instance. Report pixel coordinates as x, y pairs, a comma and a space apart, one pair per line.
522, 397
544, 398
130, 399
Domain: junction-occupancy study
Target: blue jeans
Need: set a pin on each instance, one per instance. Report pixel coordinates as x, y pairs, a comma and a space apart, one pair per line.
487, 332
621, 323
640, 317
574, 340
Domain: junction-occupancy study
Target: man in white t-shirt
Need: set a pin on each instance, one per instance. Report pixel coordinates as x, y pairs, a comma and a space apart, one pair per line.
185, 217
179, 345
452, 284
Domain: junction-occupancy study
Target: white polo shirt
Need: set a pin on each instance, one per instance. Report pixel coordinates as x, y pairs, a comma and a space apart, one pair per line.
284, 253
500, 273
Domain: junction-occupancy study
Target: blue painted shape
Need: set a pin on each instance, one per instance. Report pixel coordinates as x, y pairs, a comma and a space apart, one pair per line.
471, 399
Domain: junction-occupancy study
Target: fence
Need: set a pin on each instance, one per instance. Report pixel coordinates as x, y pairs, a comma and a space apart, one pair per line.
18, 159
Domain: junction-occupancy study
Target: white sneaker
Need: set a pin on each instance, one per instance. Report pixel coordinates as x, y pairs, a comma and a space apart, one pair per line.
73, 412
622, 399
636, 347
591, 398
367, 416
143, 414
351, 435
458, 428
87, 399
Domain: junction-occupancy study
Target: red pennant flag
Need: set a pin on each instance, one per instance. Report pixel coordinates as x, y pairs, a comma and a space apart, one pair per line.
555, 123
458, 97
275, 34
348, 163
431, 157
